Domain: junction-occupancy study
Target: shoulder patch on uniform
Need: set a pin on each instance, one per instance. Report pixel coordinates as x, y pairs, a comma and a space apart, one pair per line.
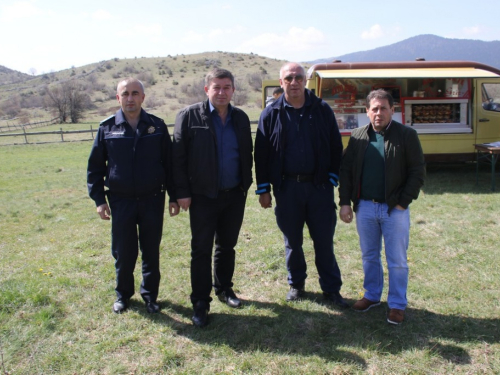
107, 119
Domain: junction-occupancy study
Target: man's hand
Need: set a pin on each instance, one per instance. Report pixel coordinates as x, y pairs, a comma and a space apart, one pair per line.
346, 214
265, 200
173, 209
184, 203
104, 212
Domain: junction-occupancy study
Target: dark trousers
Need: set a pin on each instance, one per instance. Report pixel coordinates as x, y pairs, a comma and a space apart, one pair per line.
134, 223
299, 203
216, 219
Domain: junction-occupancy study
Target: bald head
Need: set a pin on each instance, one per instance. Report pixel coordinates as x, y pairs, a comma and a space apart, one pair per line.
129, 80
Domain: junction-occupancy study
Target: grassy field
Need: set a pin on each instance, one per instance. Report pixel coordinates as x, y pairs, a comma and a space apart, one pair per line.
57, 288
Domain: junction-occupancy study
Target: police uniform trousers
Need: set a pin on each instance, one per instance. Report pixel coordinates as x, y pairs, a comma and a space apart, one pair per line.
137, 222
299, 203
214, 219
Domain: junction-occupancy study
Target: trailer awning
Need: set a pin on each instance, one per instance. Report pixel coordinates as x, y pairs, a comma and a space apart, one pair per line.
408, 73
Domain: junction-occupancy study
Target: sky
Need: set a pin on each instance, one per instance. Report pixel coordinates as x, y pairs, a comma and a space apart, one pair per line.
40, 36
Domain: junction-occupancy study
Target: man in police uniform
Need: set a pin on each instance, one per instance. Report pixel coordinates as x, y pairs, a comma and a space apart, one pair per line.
131, 157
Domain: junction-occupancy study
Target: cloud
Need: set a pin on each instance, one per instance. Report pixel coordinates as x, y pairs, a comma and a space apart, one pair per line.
19, 10
472, 30
101, 15
143, 30
214, 34
294, 41
192, 37
375, 32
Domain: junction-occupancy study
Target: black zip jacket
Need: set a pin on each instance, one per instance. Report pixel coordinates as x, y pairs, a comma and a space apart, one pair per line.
129, 165
404, 166
195, 160
270, 144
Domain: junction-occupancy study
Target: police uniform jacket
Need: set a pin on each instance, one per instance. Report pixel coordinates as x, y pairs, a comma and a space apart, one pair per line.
195, 160
130, 165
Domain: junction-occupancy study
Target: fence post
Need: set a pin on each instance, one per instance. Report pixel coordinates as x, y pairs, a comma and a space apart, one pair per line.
91, 131
25, 136
62, 137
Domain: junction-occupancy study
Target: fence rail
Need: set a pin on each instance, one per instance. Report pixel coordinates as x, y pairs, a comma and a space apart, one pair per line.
30, 125
62, 133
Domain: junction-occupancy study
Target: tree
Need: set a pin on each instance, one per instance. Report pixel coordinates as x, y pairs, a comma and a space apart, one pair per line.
58, 100
69, 100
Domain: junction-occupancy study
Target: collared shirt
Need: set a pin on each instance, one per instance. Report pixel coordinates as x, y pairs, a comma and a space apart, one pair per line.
227, 150
299, 151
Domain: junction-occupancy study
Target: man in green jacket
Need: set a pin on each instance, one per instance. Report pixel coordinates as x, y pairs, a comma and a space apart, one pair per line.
382, 172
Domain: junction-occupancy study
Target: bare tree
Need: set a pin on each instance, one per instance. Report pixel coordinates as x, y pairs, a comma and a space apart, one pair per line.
59, 101
78, 100
69, 99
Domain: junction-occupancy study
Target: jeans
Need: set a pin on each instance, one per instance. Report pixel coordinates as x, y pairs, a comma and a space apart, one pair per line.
374, 223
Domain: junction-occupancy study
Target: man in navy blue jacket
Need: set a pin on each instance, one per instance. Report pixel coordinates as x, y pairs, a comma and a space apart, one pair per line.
130, 165
298, 150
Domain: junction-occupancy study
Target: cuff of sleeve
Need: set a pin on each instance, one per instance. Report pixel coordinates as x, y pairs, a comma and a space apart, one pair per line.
263, 188
334, 179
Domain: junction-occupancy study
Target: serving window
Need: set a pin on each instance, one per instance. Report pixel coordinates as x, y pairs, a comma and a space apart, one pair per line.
427, 104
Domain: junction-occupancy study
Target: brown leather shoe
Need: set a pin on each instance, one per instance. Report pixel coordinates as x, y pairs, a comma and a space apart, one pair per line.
396, 316
364, 304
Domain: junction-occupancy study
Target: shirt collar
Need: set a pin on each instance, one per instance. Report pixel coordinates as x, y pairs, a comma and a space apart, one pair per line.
212, 108
382, 132
120, 117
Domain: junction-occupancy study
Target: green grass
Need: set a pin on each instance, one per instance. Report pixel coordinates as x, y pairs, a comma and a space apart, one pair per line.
57, 287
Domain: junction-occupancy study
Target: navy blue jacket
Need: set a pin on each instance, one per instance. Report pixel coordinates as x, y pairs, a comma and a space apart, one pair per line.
130, 165
270, 144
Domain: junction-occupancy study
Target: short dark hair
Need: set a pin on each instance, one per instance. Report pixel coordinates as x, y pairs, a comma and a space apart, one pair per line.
278, 90
218, 73
380, 94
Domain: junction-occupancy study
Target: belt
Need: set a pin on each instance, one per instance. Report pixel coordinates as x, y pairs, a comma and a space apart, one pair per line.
231, 189
299, 177
375, 200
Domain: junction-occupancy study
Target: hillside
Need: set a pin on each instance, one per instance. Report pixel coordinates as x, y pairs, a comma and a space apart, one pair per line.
430, 47
171, 82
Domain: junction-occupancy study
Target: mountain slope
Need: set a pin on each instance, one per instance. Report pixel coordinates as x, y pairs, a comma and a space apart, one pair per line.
430, 47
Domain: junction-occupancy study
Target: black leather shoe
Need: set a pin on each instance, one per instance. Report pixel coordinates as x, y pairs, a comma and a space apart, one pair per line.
295, 294
229, 298
120, 305
200, 317
336, 299
152, 307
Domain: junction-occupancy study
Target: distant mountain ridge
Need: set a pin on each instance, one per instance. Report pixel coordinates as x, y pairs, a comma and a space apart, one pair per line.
430, 47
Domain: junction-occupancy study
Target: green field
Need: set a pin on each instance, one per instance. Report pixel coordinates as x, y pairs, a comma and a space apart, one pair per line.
57, 287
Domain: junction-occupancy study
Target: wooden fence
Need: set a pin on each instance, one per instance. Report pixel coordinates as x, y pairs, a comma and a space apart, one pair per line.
63, 135
31, 125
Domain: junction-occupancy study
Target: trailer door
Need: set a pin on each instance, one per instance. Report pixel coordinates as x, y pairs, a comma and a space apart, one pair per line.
487, 110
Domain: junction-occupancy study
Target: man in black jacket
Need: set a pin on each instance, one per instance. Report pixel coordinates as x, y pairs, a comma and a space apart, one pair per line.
212, 173
382, 172
298, 150
131, 157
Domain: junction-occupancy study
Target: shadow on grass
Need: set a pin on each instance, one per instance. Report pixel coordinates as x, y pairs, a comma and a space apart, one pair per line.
335, 335
460, 179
